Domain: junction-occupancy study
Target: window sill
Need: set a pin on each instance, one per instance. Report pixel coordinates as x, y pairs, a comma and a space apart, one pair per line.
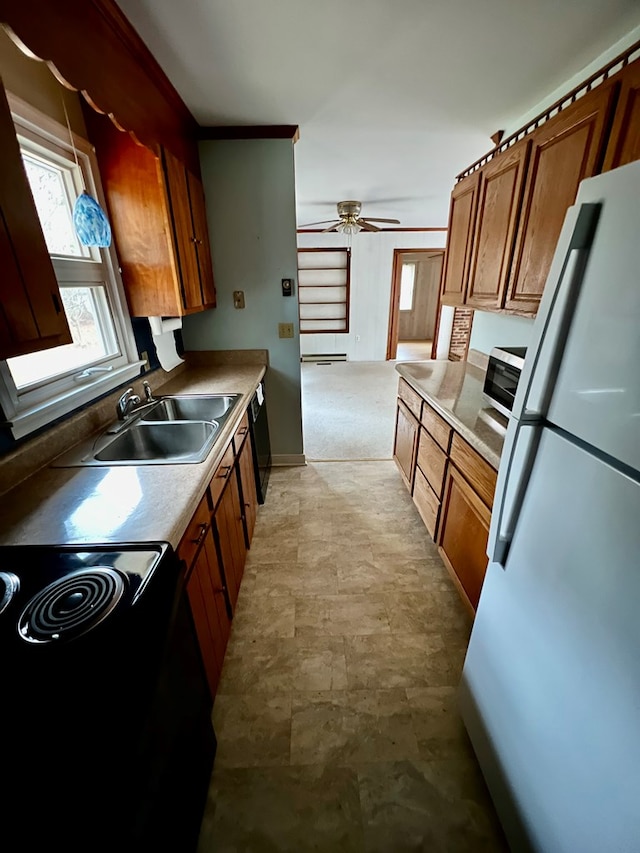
42, 414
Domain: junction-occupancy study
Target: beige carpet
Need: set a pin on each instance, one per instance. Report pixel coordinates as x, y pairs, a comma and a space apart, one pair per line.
348, 409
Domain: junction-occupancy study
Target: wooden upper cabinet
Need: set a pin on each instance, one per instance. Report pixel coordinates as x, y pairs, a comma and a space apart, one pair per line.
188, 214
201, 233
499, 198
564, 150
151, 217
462, 217
31, 313
624, 140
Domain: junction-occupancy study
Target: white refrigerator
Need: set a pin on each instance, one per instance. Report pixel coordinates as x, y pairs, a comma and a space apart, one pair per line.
550, 691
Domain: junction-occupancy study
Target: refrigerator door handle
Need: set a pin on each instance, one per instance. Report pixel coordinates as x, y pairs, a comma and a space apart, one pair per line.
519, 455
544, 358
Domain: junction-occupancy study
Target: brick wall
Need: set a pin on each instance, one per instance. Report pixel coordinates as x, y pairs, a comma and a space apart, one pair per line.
461, 333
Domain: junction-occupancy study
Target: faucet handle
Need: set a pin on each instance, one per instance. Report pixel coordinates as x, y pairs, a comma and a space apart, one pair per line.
148, 393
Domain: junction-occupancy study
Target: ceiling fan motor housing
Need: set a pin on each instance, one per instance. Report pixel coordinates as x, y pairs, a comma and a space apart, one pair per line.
349, 209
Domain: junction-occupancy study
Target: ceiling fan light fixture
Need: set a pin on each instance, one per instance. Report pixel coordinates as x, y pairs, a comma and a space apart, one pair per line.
348, 228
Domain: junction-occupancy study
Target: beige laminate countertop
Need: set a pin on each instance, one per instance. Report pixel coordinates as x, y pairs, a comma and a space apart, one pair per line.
125, 503
454, 390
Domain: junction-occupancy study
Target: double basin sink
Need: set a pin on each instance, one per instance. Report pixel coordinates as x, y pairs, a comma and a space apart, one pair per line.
173, 430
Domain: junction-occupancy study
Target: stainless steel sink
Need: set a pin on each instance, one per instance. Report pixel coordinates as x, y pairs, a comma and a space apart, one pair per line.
188, 441
195, 407
176, 430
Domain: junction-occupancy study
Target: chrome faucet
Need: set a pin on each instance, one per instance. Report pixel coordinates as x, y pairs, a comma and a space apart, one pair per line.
148, 393
127, 403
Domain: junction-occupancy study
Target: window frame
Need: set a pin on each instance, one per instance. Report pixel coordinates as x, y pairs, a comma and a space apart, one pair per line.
46, 401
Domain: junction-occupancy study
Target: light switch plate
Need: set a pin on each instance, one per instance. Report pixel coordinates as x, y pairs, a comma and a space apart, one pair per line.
285, 330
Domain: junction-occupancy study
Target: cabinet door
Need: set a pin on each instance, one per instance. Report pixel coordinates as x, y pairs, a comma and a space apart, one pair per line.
624, 141
405, 444
462, 217
463, 535
564, 150
248, 489
499, 199
178, 187
32, 316
135, 188
206, 593
203, 246
233, 549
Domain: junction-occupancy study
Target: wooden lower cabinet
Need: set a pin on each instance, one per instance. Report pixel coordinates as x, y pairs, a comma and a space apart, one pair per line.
214, 550
427, 502
207, 598
463, 534
406, 443
452, 487
248, 489
229, 525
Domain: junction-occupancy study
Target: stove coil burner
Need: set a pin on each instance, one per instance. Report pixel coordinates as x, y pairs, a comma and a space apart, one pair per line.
9, 585
71, 606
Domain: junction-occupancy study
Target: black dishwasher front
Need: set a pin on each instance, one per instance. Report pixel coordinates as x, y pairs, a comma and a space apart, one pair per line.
260, 441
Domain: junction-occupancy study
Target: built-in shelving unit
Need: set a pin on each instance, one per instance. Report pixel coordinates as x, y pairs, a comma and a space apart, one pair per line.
323, 290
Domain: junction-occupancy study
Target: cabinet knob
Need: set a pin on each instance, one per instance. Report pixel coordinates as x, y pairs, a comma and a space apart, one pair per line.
242, 431
224, 471
201, 535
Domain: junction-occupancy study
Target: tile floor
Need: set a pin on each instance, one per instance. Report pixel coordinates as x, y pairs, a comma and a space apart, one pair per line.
335, 717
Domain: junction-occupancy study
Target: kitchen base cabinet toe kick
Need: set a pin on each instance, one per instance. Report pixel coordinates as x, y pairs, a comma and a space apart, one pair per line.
214, 549
452, 487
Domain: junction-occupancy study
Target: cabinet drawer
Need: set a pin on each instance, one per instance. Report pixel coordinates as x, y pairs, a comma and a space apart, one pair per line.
240, 434
410, 398
432, 461
223, 472
474, 468
195, 532
436, 426
426, 502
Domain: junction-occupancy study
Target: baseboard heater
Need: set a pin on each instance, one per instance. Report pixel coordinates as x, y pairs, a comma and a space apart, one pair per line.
330, 356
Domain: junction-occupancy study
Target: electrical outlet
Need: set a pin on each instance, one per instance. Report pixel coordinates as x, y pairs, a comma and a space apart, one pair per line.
285, 330
238, 298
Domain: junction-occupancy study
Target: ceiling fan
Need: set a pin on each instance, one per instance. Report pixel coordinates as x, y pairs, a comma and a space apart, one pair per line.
350, 221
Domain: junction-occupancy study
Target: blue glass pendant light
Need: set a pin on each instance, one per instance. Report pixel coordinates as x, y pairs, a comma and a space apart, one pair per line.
90, 222
89, 219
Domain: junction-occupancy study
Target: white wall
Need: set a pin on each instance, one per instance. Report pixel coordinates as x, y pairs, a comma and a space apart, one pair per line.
492, 330
371, 269
617, 48
250, 194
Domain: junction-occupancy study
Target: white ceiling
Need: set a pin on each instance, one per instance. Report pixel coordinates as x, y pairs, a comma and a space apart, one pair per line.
393, 97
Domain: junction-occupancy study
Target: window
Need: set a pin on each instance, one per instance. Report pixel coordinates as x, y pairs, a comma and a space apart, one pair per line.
323, 290
407, 286
39, 387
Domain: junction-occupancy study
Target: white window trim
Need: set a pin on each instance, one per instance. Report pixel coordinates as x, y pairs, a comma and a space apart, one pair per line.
24, 418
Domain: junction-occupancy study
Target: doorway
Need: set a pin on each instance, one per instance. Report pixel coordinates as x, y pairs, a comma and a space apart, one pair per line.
413, 310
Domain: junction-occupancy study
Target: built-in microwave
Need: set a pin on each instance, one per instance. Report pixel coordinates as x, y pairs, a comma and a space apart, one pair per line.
501, 378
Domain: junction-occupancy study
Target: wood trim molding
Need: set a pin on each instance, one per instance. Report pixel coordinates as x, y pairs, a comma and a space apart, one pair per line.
252, 131
91, 47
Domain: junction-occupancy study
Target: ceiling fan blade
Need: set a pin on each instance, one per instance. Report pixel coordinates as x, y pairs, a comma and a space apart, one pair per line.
374, 219
366, 226
330, 228
322, 222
